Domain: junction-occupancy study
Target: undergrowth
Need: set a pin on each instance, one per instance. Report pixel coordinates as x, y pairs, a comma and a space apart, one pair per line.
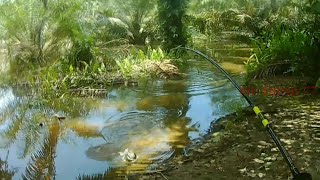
61, 78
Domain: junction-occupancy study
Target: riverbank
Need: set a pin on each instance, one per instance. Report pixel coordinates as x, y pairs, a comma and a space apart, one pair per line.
240, 148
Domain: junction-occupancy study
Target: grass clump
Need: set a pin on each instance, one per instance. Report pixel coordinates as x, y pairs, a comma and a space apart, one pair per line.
138, 64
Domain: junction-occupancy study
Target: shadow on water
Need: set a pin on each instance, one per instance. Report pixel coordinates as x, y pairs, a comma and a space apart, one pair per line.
155, 122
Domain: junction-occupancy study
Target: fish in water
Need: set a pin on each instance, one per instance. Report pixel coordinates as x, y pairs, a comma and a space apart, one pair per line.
128, 156
146, 146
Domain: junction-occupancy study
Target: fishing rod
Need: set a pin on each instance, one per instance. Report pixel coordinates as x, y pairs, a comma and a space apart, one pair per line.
294, 170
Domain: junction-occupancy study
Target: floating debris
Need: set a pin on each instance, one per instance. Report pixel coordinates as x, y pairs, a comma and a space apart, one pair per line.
89, 92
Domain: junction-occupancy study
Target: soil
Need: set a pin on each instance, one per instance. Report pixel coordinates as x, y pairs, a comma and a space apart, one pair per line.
240, 148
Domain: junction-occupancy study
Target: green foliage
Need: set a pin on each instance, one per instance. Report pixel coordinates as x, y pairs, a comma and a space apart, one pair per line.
285, 46
242, 18
137, 16
33, 33
48, 35
171, 13
61, 78
24, 25
136, 64
292, 39
126, 65
46, 38
40, 33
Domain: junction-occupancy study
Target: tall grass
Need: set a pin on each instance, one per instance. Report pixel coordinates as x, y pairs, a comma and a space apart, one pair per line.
136, 65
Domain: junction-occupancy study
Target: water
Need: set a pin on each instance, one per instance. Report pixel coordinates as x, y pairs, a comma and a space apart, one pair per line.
154, 121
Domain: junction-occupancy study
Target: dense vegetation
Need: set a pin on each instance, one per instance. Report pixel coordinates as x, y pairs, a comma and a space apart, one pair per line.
60, 48
73, 44
284, 33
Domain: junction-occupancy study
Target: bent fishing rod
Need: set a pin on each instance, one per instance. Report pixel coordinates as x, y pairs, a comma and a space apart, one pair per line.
294, 170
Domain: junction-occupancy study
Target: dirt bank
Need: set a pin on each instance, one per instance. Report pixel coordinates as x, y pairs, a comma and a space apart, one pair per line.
242, 149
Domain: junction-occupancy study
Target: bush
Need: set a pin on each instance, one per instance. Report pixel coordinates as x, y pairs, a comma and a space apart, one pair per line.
295, 47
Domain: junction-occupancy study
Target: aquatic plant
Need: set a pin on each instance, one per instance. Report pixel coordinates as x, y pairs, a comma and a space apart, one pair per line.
141, 63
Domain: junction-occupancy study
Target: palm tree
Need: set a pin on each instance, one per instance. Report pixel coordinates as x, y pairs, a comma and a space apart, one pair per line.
171, 13
135, 15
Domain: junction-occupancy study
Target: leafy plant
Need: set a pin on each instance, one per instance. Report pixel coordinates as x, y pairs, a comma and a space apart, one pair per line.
126, 66
171, 13
131, 20
137, 64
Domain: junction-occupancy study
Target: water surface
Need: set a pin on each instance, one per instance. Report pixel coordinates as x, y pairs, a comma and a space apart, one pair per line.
156, 121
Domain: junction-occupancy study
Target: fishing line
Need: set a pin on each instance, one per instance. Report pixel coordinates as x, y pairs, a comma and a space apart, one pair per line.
294, 170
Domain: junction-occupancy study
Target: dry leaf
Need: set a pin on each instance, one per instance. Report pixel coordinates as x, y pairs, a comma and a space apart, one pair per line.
258, 161
243, 170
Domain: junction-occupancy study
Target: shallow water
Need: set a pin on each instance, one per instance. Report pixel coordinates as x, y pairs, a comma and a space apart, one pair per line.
154, 121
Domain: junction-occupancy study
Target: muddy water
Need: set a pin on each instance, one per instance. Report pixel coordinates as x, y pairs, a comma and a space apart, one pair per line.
155, 121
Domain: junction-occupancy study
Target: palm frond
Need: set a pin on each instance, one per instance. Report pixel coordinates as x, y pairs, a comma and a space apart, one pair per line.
42, 164
110, 173
14, 128
32, 138
117, 22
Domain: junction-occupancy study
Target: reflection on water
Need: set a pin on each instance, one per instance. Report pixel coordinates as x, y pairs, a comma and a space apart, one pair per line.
155, 122
233, 68
5, 172
171, 101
